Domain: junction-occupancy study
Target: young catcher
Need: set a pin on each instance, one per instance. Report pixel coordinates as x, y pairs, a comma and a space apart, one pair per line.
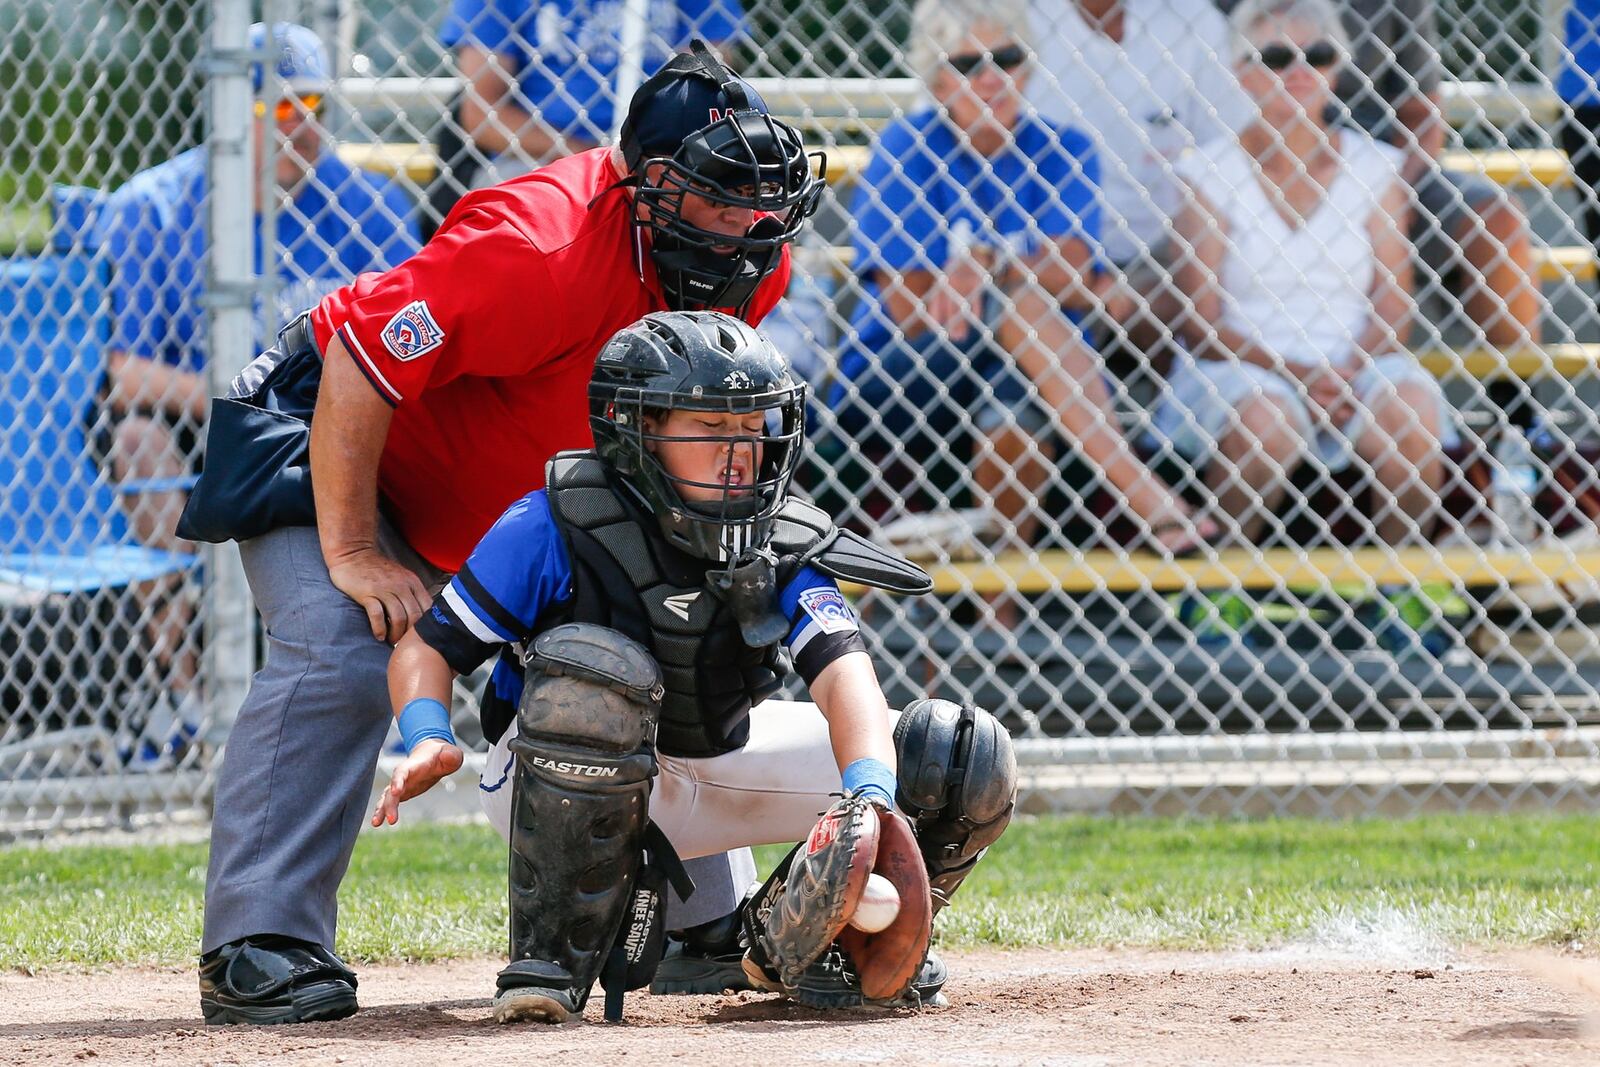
645, 606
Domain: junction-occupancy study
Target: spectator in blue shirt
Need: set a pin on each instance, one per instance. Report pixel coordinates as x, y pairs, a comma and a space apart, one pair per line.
541, 75
332, 223
974, 223
1578, 85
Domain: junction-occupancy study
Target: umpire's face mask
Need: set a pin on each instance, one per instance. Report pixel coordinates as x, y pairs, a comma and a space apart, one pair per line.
722, 207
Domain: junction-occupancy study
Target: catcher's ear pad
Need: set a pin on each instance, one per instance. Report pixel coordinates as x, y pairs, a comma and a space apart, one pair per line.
888, 961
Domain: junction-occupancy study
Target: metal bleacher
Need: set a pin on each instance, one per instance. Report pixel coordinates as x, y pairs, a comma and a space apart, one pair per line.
848, 110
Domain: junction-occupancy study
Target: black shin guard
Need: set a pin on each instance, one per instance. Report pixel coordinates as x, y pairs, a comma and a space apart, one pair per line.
585, 759
958, 786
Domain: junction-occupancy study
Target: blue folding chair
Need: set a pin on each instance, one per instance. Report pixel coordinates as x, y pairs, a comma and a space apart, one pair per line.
63, 536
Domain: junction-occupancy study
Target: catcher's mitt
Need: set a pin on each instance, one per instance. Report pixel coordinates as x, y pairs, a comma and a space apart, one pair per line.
808, 901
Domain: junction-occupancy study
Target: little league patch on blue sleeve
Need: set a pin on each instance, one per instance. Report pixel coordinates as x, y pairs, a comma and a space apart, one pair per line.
412, 332
827, 607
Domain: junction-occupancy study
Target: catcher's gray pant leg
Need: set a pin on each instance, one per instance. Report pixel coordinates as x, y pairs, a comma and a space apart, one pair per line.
298, 772
720, 882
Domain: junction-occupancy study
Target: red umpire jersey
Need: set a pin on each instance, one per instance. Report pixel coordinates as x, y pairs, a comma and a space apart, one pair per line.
484, 342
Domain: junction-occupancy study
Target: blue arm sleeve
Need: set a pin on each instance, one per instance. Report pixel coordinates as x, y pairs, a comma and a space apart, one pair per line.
490, 24
1062, 191
895, 228
1081, 197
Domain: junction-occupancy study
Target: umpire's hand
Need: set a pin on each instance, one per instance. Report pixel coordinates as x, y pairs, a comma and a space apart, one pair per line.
391, 594
430, 761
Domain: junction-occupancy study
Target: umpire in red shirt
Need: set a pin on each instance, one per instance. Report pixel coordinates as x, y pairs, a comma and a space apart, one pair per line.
445, 385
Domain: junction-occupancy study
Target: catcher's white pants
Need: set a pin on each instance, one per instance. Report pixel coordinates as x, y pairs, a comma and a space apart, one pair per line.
768, 792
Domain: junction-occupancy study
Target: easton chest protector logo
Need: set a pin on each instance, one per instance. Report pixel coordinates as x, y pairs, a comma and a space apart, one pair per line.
679, 605
828, 608
412, 332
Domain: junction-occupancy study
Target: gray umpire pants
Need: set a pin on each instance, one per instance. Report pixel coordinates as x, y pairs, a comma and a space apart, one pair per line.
297, 775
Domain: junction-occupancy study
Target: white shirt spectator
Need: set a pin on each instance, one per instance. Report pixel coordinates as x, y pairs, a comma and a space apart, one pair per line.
1167, 86
1302, 291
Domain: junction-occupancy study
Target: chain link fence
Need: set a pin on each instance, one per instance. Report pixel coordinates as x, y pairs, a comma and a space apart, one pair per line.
1243, 491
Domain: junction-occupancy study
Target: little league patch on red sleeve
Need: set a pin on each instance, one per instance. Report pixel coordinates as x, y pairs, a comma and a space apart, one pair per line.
412, 332
827, 607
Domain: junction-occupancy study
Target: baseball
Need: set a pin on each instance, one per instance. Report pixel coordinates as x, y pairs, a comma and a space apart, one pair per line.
880, 903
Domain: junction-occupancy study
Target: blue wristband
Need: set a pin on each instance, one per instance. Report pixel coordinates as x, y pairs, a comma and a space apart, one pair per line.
872, 779
424, 718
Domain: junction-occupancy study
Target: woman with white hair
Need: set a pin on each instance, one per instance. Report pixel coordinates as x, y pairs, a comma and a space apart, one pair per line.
974, 222
1299, 278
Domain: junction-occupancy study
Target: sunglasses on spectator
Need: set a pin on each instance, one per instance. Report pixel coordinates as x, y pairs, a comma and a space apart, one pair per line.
1283, 56
969, 63
291, 107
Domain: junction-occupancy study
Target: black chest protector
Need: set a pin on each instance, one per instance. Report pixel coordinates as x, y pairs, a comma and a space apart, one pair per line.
625, 576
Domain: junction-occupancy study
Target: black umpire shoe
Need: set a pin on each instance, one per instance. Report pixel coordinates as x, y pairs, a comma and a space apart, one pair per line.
271, 979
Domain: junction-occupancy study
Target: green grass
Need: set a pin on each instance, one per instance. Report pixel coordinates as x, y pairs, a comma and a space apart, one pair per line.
24, 229
435, 891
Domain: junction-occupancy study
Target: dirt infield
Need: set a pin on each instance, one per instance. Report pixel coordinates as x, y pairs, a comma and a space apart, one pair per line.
1086, 1009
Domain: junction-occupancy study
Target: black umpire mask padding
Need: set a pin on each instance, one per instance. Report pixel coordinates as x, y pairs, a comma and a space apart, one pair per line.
697, 275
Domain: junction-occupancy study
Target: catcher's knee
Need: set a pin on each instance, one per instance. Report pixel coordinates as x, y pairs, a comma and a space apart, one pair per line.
590, 689
958, 784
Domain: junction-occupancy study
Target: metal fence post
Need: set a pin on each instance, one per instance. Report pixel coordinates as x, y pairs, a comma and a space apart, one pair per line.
230, 647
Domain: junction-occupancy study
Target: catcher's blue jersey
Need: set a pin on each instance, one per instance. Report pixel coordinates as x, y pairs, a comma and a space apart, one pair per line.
520, 570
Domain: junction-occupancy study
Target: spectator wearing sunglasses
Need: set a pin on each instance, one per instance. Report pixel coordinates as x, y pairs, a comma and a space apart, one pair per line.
974, 228
332, 223
1470, 238
1148, 80
1300, 284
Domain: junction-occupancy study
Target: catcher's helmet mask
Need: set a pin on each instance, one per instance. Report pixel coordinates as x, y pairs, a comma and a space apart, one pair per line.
742, 158
699, 361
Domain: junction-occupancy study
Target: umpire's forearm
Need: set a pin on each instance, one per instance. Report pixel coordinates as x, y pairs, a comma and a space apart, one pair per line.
348, 429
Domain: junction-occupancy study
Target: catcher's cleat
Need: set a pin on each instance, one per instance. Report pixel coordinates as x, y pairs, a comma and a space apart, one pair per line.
534, 991
703, 959
533, 1004
831, 982
269, 980
682, 971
